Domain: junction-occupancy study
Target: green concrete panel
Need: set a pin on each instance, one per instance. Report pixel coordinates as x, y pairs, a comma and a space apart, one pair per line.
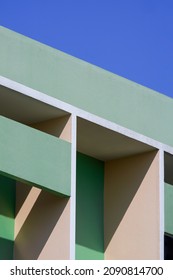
168, 208
7, 215
85, 86
35, 157
89, 208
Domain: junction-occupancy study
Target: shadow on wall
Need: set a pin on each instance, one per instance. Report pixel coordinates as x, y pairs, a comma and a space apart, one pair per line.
130, 195
6, 249
7, 196
168, 250
7, 215
37, 215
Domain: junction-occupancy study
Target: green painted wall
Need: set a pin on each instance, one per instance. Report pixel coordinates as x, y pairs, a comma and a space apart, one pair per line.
35, 157
85, 86
168, 208
89, 208
7, 215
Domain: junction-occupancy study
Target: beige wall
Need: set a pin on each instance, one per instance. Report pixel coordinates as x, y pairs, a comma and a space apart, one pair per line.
60, 127
132, 207
42, 224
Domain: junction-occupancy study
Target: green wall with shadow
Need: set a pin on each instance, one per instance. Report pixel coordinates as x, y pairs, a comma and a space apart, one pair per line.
89, 208
7, 215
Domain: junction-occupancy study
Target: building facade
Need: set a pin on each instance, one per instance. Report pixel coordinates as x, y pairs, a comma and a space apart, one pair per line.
86, 159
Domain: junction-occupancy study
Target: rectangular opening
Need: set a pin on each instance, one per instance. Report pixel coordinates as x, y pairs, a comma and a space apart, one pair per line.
117, 200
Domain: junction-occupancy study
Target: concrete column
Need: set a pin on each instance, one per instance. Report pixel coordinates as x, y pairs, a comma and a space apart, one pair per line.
132, 218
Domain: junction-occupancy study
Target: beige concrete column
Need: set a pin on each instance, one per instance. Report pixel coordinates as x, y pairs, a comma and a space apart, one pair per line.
131, 218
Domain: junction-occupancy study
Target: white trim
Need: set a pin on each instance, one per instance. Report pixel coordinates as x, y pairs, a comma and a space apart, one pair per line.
37, 95
73, 189
161, 197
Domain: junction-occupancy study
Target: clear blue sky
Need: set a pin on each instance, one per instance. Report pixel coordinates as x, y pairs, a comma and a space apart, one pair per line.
132, 38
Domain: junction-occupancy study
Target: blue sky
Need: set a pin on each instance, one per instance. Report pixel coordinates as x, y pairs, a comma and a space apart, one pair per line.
132, 38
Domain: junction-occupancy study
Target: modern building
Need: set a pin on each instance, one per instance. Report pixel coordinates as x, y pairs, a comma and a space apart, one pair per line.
86, 159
